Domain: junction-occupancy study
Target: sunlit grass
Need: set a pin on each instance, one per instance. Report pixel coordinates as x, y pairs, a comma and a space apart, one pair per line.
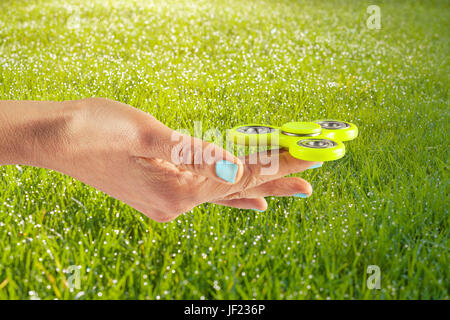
225, 63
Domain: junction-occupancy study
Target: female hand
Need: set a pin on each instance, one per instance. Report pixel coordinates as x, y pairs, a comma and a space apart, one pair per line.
133, 157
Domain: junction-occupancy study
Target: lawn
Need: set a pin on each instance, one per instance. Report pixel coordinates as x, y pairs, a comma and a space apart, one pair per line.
226, 63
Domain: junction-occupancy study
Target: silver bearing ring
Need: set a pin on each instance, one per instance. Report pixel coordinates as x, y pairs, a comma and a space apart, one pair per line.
317, 143
255, 130
333, 125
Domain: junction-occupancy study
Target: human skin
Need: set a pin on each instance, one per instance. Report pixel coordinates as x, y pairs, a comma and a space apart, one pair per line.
129, 155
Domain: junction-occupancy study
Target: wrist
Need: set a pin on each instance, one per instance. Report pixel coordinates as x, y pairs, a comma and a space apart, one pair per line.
54, 135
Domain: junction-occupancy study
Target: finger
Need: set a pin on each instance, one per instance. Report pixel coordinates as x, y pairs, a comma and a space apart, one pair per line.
193, 154
255, 203
282, 187
270, 165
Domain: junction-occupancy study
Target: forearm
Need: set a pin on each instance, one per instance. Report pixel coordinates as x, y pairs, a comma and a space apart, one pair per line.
32, 131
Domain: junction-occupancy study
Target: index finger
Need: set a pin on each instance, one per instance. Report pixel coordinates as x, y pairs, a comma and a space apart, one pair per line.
270, 165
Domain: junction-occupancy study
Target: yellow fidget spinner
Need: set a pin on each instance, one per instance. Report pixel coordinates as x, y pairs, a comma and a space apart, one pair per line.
310, 141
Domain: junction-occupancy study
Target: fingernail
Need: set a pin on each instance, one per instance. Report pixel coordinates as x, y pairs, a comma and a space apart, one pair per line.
301, 195
226, 170
258, 210
314, 166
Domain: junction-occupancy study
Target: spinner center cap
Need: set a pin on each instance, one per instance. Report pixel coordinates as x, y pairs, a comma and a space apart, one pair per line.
301, 128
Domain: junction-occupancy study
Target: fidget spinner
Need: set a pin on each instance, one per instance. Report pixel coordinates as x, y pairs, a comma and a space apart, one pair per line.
311, 141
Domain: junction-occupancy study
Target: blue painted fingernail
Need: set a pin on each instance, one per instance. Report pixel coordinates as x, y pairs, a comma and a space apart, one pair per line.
301, 195
258, 210
314, 166
226, 170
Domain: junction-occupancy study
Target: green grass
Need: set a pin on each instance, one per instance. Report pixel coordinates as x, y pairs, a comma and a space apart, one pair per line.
225, 63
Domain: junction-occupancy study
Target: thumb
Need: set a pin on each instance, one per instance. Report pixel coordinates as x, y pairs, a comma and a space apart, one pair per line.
193, 154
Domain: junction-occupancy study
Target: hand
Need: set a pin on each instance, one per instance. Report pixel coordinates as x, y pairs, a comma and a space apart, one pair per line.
133, 157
